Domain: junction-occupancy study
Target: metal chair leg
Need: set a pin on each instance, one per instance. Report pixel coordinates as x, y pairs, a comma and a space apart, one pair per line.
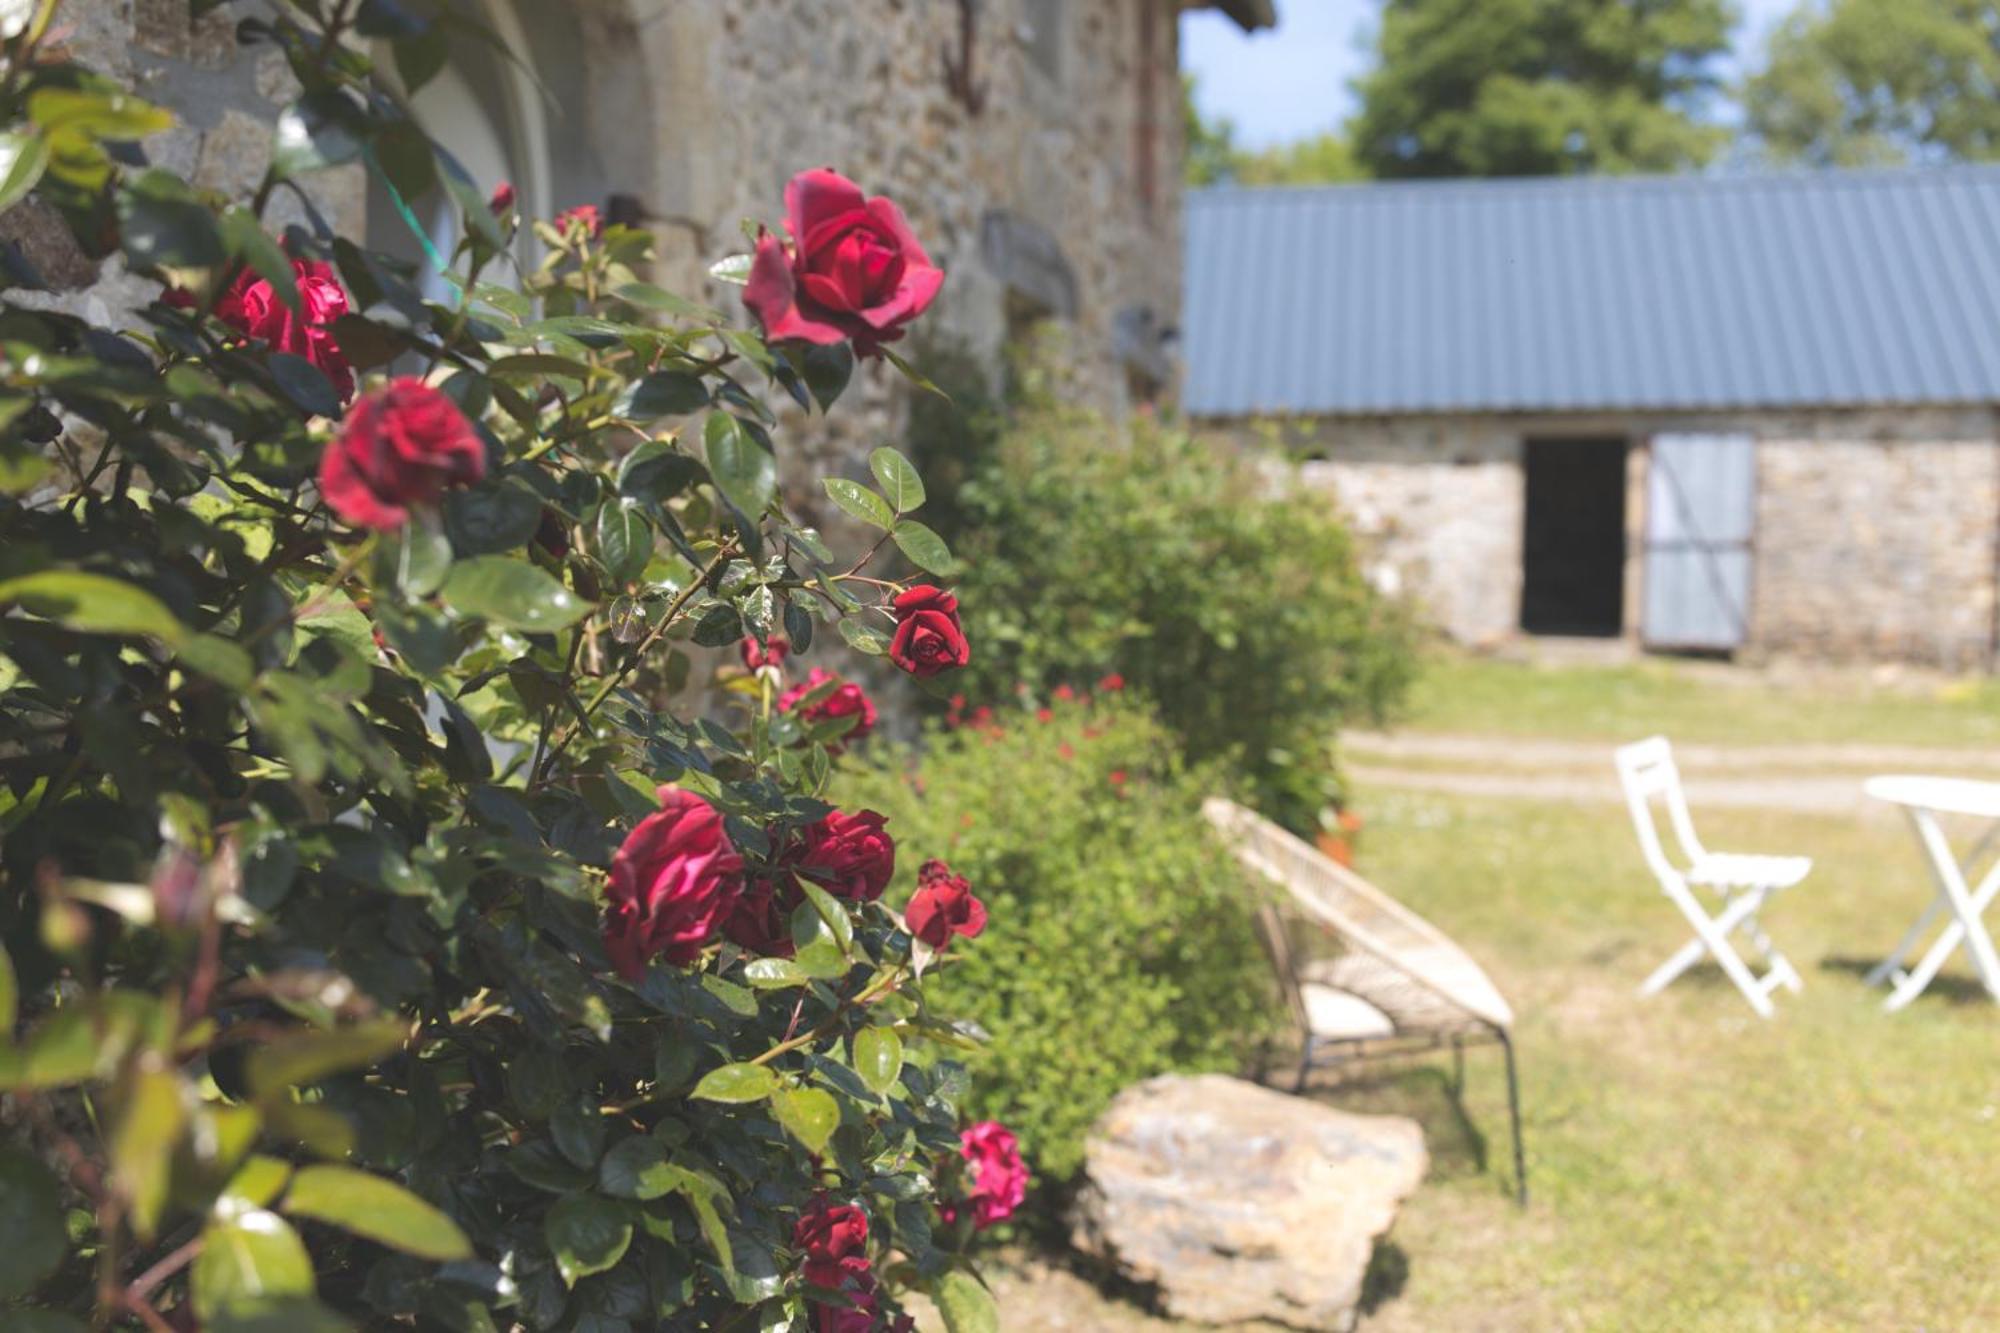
1305, 1065
1514, 1114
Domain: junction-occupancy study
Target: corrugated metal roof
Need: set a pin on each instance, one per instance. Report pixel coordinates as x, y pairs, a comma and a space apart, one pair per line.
1620, 293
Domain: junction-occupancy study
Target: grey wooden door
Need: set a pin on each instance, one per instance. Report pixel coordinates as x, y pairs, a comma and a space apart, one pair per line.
1701, 514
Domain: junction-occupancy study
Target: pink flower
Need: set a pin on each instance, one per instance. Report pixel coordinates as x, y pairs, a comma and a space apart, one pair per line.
502, 198
1112, 683
1064, 693
853, 270
999, 1176
398, 448
846, 700
673, 883
834, 1240
251, 307
850, 856
584, 218
943, 906
772, 652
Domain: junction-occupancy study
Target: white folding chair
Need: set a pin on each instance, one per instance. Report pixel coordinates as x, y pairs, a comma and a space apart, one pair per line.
1740, 884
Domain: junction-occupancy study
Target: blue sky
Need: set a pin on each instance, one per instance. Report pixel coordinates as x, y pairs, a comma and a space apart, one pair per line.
1293, 82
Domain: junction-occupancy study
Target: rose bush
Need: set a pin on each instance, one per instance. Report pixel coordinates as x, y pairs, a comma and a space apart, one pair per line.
395, 933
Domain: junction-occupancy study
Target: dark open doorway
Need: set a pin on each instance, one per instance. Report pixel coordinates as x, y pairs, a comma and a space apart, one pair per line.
1573, 546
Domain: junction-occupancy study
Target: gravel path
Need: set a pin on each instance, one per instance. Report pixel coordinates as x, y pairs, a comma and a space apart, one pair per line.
1813, 779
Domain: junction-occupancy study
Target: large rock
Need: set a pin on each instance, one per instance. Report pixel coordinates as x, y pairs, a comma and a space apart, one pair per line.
1240, 1203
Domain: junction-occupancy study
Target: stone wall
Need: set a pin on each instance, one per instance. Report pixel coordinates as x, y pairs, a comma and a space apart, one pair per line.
1046, 184
1877, 538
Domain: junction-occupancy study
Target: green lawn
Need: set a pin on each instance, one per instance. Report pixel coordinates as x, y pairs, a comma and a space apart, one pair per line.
1694, 1167
1699, 701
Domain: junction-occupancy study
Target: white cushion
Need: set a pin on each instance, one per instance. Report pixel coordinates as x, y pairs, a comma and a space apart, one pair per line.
1337, 1015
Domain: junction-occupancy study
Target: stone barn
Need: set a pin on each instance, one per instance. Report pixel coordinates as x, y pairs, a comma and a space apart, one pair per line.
1727, 414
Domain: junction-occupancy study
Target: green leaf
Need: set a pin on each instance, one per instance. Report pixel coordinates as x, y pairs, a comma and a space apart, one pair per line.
297, 1061
471, 201
322, 129
898, 479
736, 1083
219, 659
93, 604
258, 1181
45, 1321
734, 269
305, 384
577, 1126
23, 159
379, 1209
664, 393
491, 519
656, 471
416, 558
288, 1314
858, 500
150, 1123
32, 1239
878, 1058
832, 913
827, 369
966, 1305
248, 1257
775, 974
637, 1168
622, 540
925, 548
743, 470
864, 637
10, 996
810, 1115
512, 594
587, 1233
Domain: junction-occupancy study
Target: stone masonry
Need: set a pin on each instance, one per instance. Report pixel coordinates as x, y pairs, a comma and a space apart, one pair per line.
1877, 531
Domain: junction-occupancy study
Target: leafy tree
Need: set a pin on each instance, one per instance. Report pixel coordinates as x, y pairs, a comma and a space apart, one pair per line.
1213, 157
1540, 87
1881, 81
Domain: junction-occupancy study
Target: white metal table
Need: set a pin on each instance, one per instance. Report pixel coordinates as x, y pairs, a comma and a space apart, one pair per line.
1924, 799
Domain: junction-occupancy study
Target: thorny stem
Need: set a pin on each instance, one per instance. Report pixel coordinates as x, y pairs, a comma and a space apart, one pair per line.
638, 653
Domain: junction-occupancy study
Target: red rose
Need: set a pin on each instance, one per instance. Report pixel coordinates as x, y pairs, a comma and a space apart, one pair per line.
673, 883
928, 637
251, 307
834, 1239
502, 198
848, 700
400, 446
1113, 683
852, 271
850, 856
761, 921
999, 1177
943, 906
770, 653
583, 217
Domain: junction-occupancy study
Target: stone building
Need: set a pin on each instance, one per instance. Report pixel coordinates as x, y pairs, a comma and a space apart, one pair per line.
1731, 414
1035, 144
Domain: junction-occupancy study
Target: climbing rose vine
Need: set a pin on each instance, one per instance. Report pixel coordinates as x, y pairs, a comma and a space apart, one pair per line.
423, 904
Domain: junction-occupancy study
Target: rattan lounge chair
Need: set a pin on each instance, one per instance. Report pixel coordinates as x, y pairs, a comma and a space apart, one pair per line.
1401, 987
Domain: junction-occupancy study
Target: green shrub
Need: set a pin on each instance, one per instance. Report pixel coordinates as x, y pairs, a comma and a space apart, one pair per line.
1119, 942
1242, 613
